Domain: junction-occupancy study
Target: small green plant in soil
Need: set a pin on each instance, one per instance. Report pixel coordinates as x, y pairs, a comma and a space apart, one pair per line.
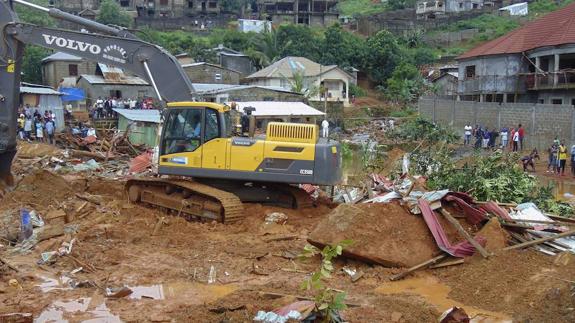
328, 302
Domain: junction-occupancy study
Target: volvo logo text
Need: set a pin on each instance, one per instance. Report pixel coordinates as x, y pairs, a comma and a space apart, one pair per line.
72, 44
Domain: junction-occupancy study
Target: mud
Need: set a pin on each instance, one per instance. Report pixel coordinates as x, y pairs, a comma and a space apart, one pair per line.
169, 272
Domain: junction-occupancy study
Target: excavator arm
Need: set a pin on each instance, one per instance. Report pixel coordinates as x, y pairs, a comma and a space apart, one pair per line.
102, 44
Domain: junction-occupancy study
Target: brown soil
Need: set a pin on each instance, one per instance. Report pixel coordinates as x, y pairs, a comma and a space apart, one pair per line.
386, 234
524, 283
494, 234
115, 246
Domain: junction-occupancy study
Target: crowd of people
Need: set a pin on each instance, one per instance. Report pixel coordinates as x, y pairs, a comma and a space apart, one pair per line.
557, 158
103, 107
487, 138
33, 125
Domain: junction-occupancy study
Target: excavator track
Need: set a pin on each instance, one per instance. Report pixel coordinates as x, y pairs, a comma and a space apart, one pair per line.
188, 198
302, 200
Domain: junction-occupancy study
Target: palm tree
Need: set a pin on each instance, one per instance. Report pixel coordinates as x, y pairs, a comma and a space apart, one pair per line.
267, 48
298, 85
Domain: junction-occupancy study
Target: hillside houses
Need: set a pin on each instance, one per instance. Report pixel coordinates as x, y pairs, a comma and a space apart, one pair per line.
532, 64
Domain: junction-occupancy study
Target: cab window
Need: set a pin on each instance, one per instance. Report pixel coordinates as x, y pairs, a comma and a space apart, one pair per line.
212, 125
183, 131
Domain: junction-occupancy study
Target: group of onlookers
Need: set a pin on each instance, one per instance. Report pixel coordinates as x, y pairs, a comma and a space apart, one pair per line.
103, 107
487, 138
33, 125
558, 154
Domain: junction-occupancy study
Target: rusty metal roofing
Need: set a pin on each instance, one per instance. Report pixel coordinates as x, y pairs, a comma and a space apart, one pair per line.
553, 29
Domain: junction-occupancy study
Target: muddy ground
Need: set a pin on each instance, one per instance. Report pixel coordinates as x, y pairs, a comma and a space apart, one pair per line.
169, 270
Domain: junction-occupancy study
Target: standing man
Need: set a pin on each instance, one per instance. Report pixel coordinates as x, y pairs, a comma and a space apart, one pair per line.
28, 127
562, 159
504, 138
552, 163
39, 130
467, 139
325, 128
21, 121
515, 140
50, 131
486, 137
521, 135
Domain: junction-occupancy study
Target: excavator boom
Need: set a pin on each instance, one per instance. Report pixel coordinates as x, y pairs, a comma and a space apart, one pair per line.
107, 45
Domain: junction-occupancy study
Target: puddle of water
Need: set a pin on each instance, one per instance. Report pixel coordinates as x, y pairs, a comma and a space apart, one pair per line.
196, 292
436, 293
56, 311
563, 189
49, 284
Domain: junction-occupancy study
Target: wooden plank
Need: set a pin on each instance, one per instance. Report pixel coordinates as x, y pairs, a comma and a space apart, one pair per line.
516, 225
448, 263
417, 267
560, 218
464, 233
542, 222
539, 241
500, 204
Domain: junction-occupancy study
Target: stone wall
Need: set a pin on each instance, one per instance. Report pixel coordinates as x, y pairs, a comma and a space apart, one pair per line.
542, 122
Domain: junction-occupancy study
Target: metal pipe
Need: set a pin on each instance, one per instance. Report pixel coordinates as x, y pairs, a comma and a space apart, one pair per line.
147, 68
32, 5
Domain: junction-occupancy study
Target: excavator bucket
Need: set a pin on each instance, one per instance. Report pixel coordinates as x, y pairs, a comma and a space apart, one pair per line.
5, 167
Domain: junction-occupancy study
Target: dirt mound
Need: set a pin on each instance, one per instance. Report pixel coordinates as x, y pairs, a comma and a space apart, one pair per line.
496, 236
32, 150
382, 233
523, 283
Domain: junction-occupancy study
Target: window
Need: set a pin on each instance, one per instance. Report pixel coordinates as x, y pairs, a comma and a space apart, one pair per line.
191, 4
212, 128
115, 94
510, 98
163, 2
460, 5
213, 5
183, 131
124, 3
475, 6
470, 71
73, 70
218, 76
541, 101
573, 102
556, 101
142, 93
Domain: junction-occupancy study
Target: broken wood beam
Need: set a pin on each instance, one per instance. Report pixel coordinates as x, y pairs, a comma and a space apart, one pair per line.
9, 266
541, 222
541, 240
516, 225
81, 153
464, 233
299, 298
500, 204
560, 218
448, 263
424, 264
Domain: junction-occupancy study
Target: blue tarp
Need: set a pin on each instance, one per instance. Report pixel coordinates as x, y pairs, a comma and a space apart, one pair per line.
72, 94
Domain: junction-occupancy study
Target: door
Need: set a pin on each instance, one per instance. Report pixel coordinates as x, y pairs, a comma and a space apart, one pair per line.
182, 138
214, 147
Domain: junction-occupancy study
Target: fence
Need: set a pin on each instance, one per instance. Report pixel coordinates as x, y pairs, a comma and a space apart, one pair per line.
542, 122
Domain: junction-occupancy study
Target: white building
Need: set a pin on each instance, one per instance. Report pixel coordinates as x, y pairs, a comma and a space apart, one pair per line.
252, 25
281, 74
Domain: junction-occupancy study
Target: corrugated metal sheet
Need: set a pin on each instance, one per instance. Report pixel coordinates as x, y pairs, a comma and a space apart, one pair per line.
59, 56
273, 108
287, 66
39, 90
140, 115
556, 28
202, 88
125, 80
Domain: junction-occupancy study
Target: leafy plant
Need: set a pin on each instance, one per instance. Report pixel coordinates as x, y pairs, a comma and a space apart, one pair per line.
544, 199
327, 301
111, 14
422, 129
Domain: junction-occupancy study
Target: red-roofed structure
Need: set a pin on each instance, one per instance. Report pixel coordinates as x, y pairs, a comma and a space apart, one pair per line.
532, 64
555, 28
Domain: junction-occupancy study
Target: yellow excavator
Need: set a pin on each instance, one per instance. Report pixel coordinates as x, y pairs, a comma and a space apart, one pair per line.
211, 171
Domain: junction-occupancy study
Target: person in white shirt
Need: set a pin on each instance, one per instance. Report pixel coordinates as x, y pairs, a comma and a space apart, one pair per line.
504, 138
515, 140
132, 104
467, 138
325, 128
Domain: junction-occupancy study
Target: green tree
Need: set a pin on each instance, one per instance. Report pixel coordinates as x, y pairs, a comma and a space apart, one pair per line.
401, 4
299, 84
31, 67
298, 40
111, 14
405, 84
342, 48
384, 54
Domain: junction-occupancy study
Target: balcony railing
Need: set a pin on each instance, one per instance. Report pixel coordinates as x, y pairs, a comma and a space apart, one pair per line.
550, 80
491, 84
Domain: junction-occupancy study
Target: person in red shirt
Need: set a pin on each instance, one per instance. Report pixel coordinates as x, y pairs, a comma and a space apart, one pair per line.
511, 141
521, 136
